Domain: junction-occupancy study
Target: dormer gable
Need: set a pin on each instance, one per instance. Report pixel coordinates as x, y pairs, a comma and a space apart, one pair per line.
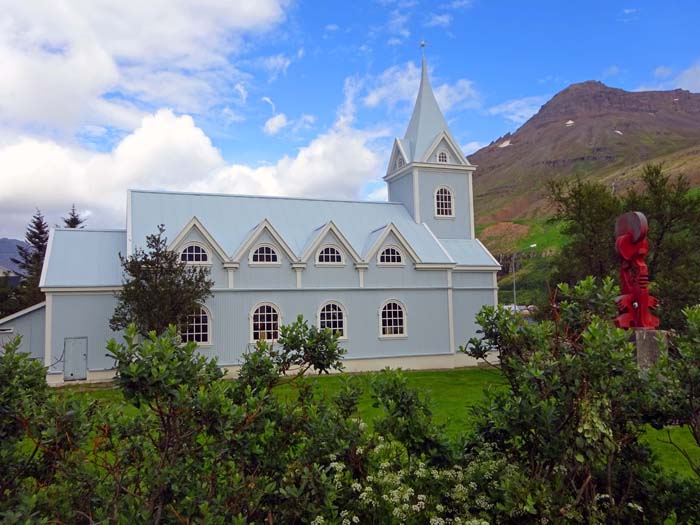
322, 236
398, 159
194, 233
385, 236
263, 234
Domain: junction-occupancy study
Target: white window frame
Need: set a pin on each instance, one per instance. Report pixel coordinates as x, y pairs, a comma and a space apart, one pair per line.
336, 264
263, 263
210, 320
447, 157
404, 335
208, 262
345, 317
435, 202
400, 162
394, 264
252, 314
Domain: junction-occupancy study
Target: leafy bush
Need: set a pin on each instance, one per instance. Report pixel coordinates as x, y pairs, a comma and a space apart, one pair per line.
559, 445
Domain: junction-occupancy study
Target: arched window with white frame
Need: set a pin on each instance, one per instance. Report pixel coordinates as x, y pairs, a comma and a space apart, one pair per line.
392, 319
329, 255
264, 254
194, 254
390, 255
444, 202
442, 157
265, 323
197, 327
332, 316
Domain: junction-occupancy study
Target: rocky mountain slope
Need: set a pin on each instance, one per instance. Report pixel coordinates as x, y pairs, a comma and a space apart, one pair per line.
592, 131
8, 251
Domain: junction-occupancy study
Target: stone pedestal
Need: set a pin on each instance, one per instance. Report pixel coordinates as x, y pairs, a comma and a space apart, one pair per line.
647, 346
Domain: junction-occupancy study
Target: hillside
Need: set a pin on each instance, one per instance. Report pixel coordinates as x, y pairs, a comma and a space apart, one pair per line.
8, 250
588, 130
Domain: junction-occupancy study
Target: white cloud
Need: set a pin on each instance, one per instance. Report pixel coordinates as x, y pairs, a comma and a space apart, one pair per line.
330, 28
60, 60
275, 124
268, 100
166, 151
380, 194
232, 116
170, 152
276, 65
663, 72
690, 78
443, 20
519, 110
242, 92
399, 84
611, 71
473, 147
397, 25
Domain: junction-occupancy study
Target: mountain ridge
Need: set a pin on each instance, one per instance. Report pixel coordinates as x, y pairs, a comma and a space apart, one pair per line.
588, 130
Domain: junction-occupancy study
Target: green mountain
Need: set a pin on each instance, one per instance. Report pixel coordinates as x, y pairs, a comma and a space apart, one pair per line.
588, 130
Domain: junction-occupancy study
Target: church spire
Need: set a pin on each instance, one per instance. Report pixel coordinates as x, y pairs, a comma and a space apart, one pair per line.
427, 121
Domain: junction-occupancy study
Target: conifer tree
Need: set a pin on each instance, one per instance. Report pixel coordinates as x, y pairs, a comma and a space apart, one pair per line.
74, 220
31, 260
158, 288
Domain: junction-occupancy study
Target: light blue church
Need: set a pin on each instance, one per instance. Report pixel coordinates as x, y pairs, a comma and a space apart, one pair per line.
400, 282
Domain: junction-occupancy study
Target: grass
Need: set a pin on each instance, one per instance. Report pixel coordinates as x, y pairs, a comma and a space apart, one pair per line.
452, 393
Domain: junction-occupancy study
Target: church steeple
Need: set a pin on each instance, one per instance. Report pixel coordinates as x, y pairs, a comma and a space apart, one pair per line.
429, 174
427, 121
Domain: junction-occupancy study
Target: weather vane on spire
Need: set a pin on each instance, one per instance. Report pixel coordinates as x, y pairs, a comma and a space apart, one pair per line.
423, 43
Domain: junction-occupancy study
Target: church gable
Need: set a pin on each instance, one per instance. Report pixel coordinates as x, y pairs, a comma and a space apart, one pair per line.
194, 233
330, 236
399, 157
387, 237
264, 235
444, 151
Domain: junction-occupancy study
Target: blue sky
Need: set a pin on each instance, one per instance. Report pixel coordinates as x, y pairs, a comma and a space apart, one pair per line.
287, 97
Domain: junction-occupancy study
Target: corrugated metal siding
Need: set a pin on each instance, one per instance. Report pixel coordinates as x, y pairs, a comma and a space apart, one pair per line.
31, 327
83, 315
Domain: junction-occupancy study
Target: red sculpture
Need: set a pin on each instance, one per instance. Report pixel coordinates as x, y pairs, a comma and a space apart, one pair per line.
632, 247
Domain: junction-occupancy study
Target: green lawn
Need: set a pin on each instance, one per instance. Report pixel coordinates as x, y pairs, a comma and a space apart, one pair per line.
451, 394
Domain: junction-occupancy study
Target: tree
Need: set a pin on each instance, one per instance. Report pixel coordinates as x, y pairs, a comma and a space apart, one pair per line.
588, 210
31, 261
672, 209
158, 288
8, 297
74, 220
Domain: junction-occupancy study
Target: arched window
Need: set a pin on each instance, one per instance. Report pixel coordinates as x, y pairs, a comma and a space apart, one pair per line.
442, 157
400, 163
194, 253
393, 320
265, 323
264, 254
390, 255
443, 202
332, 316
197, 327
329, 255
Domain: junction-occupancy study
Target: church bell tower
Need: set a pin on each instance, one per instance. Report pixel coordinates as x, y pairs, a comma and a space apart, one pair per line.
428, 172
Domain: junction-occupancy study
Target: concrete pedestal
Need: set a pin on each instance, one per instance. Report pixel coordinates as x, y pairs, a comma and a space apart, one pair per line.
647, 346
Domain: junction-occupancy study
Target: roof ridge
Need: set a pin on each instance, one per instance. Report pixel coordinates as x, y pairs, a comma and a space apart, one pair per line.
278, 197
90, 230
